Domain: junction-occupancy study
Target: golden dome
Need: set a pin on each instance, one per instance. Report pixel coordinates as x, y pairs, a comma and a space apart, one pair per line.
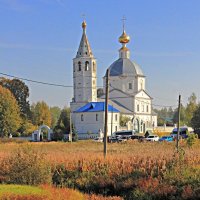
124, 38
84, 24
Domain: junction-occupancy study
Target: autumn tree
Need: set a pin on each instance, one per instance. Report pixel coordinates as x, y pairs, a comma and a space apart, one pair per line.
41, 114
21, 92
55, 114
195, 121
10, 119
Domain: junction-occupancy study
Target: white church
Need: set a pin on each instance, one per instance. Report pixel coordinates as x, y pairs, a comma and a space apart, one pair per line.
127, 92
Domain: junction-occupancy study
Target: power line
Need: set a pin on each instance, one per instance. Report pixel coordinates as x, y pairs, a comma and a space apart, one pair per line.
41, 82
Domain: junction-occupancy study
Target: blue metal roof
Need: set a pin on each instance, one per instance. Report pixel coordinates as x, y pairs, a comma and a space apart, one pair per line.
96, 107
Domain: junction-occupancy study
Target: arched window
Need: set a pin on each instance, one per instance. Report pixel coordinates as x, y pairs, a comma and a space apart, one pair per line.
79, 66
130, 86
94, 66
82, 119
86, 66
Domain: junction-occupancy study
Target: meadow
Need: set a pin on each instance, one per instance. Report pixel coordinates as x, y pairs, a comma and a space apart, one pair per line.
132, 170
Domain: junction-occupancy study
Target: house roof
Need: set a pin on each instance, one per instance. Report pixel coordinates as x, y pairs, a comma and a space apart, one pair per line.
96, 107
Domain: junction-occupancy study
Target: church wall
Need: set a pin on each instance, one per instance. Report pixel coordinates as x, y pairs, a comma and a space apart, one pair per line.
86, 122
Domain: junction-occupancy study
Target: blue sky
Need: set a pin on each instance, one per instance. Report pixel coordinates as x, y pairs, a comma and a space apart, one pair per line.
39, 39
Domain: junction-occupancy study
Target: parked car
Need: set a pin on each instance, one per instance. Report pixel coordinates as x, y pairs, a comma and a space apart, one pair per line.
166, 138
137, 137
183, 132
98, 139
113, 139
122, 139
152, 138
124, 133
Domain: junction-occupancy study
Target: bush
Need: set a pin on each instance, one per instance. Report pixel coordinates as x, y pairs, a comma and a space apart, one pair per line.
25, 166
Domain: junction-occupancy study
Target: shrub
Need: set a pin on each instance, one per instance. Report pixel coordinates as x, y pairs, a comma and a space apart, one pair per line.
25, 166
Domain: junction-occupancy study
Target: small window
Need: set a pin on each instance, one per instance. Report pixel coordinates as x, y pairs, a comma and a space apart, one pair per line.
79, 66
115, 117
86, 66
147, 108
85, 53
82, 119
138, 108
93, 82
94, 66
130, 87
115, 128
97, 117
142, 108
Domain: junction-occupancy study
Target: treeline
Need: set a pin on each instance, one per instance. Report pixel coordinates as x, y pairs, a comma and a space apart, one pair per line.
18, 117
189, 114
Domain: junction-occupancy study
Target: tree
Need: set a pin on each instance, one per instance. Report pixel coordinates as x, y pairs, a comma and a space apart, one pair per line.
10, 119
41, 114
55, 114
124, 120
183, 120
195, 121
190, 108
20, 92
64, 121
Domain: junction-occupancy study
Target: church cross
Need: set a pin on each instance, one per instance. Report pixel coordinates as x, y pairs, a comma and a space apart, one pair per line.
123, 21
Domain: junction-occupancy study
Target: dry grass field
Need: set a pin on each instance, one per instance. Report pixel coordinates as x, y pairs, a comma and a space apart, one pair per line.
132, 170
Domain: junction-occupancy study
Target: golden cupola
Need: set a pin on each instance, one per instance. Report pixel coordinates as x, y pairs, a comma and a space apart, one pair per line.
124, 38
84, 24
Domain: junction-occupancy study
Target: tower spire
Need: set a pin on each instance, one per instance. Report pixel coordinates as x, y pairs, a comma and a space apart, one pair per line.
84, 49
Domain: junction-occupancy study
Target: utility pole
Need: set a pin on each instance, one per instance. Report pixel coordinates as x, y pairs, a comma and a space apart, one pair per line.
178, 125
106, 113
70, 125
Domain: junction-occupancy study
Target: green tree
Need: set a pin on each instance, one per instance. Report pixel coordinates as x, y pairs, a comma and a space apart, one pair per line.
183, 120
64, 121
190, 108
21, 92
55, 114
195, 121
41, 114
10, 119
124, 120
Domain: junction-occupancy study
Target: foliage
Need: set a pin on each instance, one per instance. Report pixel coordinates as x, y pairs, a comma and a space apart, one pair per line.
55, 114
191, 140
25, 166
133, 170
64, 120
9, 113
195, 121
27, 128
21, 92
165, 116
124, 120
41, 114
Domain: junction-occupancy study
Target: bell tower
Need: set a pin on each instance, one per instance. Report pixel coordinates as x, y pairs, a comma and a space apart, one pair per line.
84, 74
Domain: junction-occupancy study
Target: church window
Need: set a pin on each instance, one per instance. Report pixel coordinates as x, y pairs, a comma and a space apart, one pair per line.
115, 128
85, 53
82, 119
138, 108
147, 108
97, 117
115, 117
141, 84
86, 66
93, 82
142, 108
79, 66
130, 86
94, 66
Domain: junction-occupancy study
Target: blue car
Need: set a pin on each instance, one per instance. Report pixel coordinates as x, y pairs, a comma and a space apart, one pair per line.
166, 138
